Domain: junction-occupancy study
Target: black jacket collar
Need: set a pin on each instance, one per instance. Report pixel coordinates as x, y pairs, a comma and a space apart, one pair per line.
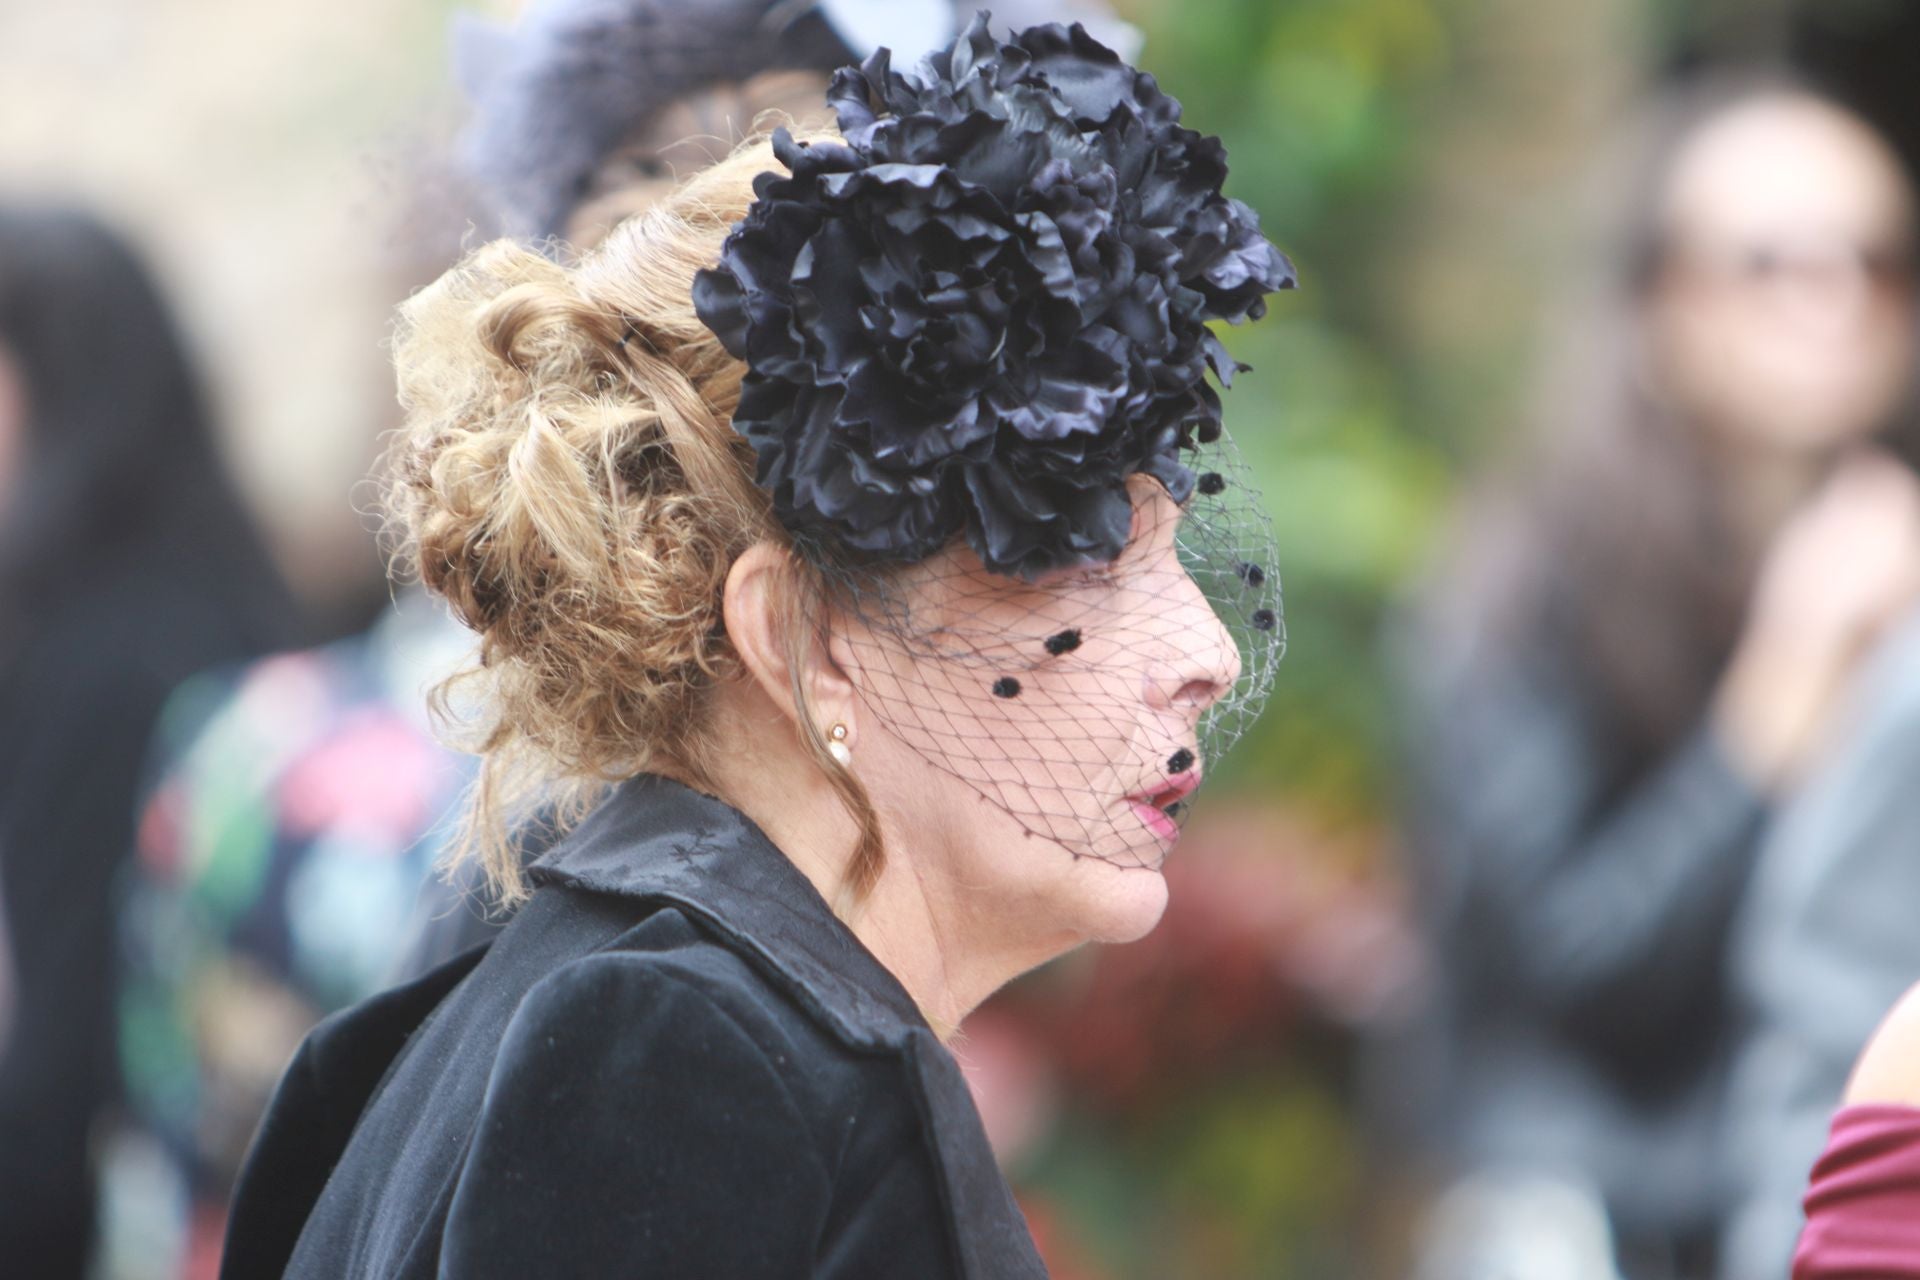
656, 839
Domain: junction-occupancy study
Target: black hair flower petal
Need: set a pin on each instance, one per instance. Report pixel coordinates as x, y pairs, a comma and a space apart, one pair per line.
987, 305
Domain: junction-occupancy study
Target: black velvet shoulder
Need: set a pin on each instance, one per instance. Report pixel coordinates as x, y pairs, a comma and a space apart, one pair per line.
676, 1082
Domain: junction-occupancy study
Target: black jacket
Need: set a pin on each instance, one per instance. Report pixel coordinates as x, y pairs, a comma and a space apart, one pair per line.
674, 1062
1578, 899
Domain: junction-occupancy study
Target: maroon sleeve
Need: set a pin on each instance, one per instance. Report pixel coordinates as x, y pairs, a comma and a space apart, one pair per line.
1863, 1204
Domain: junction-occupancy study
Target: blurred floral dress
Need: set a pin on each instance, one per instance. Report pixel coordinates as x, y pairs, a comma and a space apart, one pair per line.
299, 807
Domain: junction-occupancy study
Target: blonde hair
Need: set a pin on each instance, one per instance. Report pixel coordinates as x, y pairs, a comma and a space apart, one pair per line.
568, 478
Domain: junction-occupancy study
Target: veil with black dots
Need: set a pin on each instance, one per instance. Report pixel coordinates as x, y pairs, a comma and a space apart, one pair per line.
1087, 703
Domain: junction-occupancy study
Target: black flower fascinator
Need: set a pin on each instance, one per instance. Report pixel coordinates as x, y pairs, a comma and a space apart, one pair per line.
987, 306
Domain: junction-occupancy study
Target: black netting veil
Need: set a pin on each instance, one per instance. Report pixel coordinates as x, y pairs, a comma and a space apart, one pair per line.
1087, 702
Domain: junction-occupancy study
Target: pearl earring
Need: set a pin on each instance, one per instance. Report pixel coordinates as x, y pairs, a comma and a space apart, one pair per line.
837, 745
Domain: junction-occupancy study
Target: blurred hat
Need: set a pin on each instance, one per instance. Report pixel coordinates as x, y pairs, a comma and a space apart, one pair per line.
556, 92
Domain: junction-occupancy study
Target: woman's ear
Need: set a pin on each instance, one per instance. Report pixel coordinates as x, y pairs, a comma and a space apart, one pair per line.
771, 636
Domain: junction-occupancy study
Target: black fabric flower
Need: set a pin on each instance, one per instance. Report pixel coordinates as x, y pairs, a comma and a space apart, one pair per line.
987, 306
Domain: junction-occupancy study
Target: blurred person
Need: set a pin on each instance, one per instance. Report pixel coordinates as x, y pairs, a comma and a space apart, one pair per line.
585, 110
1638, 650
286, 853
1863, 1201
127, 562
877, 625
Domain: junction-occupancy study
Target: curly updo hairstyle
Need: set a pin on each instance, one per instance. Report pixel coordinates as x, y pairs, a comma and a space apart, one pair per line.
568, 478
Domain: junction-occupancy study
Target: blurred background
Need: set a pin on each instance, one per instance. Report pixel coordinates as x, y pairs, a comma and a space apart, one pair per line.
1525, 934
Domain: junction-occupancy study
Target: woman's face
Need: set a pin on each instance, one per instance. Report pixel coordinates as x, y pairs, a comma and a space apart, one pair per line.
1032, 737
1782, 314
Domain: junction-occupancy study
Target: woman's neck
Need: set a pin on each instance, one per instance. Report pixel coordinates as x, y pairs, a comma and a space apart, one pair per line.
921, 929
925, 931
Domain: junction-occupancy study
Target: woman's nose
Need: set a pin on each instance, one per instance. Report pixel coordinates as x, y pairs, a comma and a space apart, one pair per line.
1195, 660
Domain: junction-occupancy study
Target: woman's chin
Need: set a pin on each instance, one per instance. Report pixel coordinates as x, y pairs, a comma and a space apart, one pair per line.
1122, 904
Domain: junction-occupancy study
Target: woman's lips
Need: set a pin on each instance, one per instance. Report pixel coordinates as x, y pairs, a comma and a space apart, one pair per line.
1152, 808
1156, 820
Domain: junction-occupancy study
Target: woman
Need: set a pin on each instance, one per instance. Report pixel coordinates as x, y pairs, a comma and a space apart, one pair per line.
337, 743
855, 556
1643, 642
127, 562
